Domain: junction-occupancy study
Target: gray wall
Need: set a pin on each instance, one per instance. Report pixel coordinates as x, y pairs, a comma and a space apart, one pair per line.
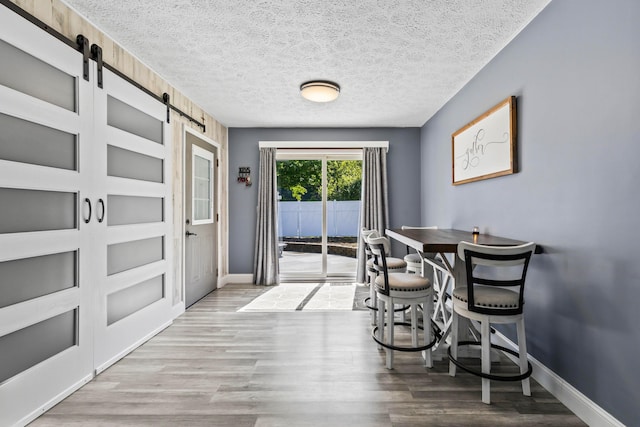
403, 161
576, 73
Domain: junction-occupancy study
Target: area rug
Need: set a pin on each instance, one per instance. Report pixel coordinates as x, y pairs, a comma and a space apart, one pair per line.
309, 297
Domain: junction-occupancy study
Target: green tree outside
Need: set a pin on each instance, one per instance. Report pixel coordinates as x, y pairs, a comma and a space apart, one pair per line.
344, 180
301, 180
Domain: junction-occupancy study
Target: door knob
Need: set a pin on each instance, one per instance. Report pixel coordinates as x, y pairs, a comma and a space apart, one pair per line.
188, 233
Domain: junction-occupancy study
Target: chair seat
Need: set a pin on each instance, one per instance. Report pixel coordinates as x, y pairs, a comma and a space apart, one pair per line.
404, 282
392, 263
487, 296
413, 258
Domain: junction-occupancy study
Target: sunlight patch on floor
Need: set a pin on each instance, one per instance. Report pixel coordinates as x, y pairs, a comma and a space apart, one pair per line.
332, 296
284, 297
305, 297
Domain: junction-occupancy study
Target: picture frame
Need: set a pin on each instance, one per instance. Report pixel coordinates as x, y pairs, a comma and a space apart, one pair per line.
486, 147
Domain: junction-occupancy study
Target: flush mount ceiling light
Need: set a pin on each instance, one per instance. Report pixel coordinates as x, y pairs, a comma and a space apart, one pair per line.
320, 91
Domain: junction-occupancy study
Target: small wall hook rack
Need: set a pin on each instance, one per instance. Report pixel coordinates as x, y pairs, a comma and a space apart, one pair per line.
244, 175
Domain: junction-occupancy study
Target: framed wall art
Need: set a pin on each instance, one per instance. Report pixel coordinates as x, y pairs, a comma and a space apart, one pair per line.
486, 147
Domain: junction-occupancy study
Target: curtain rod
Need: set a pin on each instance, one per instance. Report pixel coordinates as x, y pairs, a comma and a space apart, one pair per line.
323, 144
81, 45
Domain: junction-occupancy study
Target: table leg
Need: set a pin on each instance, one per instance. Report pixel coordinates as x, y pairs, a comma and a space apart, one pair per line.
441, 275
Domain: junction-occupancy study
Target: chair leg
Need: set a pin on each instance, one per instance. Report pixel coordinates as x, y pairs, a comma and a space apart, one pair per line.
522, 350
380, 312
426, 328
486, 359
373, 298
414, 325
403, 314
454, 342
390, 321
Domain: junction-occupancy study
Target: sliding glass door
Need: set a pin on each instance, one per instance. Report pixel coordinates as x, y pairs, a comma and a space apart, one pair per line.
319, 204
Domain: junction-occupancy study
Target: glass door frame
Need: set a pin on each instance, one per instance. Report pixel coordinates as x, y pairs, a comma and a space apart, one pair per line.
324, 155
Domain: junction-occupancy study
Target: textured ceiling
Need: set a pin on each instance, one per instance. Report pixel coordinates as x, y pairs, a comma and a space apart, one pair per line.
397, 61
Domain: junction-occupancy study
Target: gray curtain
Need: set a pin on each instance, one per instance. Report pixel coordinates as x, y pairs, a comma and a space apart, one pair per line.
265, 264
375, 209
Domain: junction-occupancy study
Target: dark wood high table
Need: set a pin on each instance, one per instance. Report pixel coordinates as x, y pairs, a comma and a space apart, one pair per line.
446, 240
433, 245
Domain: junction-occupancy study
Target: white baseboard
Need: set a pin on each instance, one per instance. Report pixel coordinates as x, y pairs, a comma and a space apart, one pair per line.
587, 410
235, 278
123, 353
53, 402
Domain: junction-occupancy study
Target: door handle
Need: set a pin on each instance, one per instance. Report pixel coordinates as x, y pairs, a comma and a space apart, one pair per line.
88, 202
188, 233
101, 203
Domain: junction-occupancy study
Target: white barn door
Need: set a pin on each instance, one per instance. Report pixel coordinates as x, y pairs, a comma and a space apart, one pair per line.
134, 240
45, 196
85, 220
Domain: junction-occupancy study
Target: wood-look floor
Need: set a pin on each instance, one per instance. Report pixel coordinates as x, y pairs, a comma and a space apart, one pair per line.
217, 367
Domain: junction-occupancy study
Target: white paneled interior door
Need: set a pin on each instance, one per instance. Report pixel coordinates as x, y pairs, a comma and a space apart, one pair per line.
46, 341
200, 224
133, 180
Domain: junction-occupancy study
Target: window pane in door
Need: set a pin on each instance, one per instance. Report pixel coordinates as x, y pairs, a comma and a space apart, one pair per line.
22, 349
28, 142
28, 278
35, 210
134, 298
127, 255
27, 74
344, 186
129, 119
300, 220
201, 189
123, 210
129, 164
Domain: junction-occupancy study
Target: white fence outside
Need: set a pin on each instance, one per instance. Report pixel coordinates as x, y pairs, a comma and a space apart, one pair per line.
304, 219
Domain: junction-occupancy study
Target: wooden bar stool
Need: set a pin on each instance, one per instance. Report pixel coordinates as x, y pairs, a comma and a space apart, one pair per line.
396, 265
485, 299
408, 289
